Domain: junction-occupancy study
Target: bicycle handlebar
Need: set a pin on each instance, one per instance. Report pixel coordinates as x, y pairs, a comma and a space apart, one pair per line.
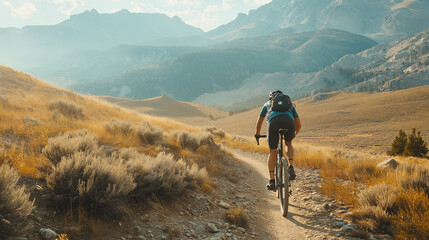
259, 136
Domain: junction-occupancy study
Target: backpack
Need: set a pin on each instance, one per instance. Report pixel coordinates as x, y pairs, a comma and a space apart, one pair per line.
281, 103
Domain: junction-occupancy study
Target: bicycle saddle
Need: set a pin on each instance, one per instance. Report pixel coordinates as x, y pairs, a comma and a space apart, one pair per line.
283, 131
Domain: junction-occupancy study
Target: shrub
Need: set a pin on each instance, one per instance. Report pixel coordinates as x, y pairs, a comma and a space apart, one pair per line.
149, 133
415, 147
412, 219
128, 153
187, 140
215, 131
418, 180
238, 217
381, 195
376, 205
192, 141
164, 176
67, 109
67, 144
373, 218
90, 182
14, 203
398, 144
118, 126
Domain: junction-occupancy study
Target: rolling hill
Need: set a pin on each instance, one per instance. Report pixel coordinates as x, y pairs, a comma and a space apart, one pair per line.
350, 120
163, 106
383, 20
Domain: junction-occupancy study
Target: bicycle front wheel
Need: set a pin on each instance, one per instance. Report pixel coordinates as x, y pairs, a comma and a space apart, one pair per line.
284, 188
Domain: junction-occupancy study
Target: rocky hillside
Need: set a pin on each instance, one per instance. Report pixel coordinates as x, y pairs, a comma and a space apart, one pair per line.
391, 66
383, 20
226, 66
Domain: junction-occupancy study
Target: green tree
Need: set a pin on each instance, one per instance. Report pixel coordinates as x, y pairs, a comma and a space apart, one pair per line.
415, 147
399, 143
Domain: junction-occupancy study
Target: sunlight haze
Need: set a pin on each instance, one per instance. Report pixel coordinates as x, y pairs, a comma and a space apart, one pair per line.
205, 14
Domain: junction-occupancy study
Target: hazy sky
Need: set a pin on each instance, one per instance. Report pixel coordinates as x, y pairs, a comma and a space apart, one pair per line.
205, 14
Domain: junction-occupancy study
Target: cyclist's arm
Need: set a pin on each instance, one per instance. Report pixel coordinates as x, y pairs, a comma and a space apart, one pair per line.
259, 125
298, 125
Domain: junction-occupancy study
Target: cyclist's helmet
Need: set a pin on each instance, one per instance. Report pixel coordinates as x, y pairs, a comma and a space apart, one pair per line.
274, 94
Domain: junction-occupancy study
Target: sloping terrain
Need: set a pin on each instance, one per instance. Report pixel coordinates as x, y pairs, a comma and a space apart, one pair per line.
391, 66
226, 66
186, 112
384, 20
32, 121
350, 120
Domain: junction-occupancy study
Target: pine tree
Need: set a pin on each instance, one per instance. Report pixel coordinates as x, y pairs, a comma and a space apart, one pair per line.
399, 143
415, 147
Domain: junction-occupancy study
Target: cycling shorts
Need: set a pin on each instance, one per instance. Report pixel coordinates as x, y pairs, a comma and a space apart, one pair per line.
278, 122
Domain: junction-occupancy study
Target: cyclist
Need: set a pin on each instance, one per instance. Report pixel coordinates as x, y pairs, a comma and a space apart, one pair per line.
277, 120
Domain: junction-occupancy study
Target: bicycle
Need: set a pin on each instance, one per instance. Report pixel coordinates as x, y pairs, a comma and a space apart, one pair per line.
283, 182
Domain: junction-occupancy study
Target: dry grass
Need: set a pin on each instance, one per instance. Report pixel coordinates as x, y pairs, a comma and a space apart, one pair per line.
15, 206
68, 109
345, 172
93, 183
344, 192
164, 176
238, 217
412, 219
68, 144
192, 141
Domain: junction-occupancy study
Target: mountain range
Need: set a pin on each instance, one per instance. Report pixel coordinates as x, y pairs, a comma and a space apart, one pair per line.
226, 66
385, 67
304, 46
381, 20
35, 46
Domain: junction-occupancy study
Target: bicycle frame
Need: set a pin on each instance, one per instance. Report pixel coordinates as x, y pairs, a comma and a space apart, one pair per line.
283, 183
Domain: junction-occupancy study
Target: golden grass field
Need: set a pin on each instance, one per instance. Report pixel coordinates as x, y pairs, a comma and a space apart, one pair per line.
26, 120
349, 120
29, 116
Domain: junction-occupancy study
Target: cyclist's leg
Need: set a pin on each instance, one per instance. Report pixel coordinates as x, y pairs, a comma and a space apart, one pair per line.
272, 162
273, 141
290, 152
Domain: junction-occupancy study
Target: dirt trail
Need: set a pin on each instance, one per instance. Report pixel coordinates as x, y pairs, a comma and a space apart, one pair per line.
309, 215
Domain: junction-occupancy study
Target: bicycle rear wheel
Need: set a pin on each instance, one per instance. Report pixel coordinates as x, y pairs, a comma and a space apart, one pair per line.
284, 187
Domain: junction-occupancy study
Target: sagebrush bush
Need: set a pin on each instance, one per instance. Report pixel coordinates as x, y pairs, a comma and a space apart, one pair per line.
15, 205
419, 180
238, 217
164, 176
373, 219
128, 153
412, 219
98, 185
215, 131
67, 109
118, 127
149, 133
381, 195
187, 140
67, 144
376, 206
192, 141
